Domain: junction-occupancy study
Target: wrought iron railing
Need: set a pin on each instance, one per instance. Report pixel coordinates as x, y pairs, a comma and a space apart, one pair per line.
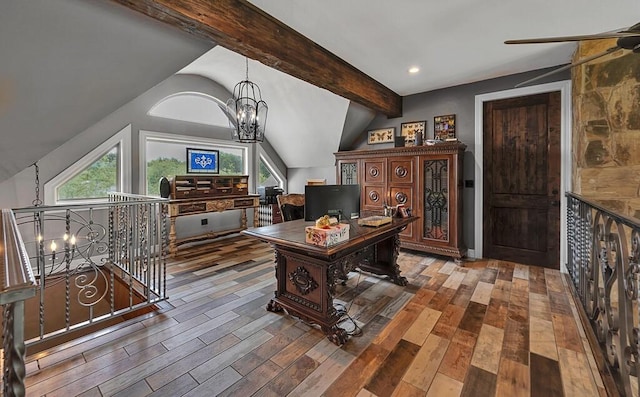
93, 262
603, 262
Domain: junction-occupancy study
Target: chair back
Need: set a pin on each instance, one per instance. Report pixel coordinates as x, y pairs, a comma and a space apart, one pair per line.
291, 206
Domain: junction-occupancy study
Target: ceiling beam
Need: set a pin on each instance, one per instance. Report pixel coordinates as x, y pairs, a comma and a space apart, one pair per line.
245, 29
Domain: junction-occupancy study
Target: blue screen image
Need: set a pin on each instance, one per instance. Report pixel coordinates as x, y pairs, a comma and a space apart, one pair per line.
203, 161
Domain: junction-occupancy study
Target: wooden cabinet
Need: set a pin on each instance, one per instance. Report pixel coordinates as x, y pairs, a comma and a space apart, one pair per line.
196, 186
201, 194
427, 179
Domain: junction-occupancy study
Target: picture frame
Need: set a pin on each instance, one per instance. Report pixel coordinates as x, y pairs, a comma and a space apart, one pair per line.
203, 161
402, 211
444, 127
413, 132
382, 135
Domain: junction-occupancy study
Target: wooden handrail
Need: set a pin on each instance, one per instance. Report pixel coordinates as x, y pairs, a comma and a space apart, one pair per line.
17, 282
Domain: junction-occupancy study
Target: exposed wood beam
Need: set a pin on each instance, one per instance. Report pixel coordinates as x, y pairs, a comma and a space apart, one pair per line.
245, 29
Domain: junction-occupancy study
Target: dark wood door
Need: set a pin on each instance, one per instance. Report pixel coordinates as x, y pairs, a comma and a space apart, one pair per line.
521, 208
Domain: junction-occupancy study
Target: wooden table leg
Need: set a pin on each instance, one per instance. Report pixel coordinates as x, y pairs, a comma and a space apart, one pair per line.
243, 218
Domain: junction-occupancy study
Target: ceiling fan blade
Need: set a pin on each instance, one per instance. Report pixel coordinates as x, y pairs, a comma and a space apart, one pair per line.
571, 65
611, 35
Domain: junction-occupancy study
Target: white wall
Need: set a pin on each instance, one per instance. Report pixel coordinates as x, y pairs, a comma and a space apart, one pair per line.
297, 177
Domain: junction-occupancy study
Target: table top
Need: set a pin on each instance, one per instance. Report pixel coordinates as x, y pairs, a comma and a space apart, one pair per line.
292, 235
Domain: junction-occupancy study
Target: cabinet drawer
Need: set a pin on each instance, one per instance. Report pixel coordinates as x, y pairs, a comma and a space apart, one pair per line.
401, 171
243, 203
191, 208
374, 171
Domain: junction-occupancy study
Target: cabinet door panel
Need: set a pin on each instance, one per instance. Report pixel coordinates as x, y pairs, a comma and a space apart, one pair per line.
403, 195
348, 173
374, 171
401, 170
374, 197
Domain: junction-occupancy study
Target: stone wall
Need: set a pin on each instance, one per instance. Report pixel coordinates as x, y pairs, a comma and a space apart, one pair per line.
606, 127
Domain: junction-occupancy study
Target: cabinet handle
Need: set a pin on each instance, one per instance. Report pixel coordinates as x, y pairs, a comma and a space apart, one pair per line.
401, 171
373, 196
374, 171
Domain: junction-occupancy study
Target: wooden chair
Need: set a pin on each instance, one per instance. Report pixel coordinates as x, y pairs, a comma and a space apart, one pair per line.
291, 206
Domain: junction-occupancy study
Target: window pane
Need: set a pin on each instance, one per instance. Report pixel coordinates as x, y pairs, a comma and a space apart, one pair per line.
169, 158
96, 181
266, 177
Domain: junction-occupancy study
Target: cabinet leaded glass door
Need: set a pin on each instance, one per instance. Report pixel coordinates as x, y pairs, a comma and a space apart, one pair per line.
349, 173
436, 199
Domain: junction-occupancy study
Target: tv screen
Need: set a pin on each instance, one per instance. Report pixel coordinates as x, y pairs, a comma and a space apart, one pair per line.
202, 161
341, 201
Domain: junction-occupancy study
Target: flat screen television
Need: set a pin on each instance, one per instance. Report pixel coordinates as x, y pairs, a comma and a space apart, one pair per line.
202, 161
341, 201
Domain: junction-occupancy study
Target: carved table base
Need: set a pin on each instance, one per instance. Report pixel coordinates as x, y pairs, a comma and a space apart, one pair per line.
306, 285
307, 275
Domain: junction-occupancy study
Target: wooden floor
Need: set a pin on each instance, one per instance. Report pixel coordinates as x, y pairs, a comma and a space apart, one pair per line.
486, 329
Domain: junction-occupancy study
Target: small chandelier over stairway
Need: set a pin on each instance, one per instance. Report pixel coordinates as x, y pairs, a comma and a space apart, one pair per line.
249, 110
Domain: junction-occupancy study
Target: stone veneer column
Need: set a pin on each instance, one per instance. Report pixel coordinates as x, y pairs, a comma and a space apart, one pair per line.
606, 128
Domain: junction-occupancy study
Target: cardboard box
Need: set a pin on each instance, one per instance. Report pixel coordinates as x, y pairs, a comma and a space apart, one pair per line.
327, 237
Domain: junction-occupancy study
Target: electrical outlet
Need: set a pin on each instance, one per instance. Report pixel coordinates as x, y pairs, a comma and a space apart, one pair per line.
204, 221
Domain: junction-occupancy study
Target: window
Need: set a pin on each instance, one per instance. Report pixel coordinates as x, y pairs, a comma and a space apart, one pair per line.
105, 169
267, 177
165, 155
96, 181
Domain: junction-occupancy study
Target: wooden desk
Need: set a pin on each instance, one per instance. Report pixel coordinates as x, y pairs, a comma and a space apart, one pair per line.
178, 208
306, 274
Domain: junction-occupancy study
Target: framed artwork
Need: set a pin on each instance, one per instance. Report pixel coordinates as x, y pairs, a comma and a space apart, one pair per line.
444, 127
202, 161
413, 132
383, 135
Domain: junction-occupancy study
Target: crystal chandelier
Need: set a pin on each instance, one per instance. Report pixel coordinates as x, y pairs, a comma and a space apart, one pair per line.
249, 110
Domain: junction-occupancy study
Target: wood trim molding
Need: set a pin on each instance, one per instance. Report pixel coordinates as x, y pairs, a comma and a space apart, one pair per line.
272, 43
564, 87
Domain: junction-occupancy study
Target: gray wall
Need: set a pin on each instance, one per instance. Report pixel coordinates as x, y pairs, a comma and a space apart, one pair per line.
67, 63
18, 191
459, 100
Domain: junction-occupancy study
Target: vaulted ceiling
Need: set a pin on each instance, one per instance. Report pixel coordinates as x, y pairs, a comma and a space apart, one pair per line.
65, 64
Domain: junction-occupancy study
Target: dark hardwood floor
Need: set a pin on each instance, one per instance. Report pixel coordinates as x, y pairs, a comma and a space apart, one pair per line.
486, 329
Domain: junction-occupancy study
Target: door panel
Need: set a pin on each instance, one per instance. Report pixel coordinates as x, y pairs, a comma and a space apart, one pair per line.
374, 171
374, 197
521, 217
401, 170
403, 195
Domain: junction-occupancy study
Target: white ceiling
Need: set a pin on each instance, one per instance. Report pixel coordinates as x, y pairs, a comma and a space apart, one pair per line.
453, 41
304, 122
66, 64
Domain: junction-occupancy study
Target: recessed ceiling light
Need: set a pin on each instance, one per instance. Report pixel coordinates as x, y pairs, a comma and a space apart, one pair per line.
414, 69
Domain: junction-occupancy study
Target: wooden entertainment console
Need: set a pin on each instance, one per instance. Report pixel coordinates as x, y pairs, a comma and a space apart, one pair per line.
201, 194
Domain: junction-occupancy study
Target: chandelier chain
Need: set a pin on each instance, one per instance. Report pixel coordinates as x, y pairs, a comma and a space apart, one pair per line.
37, 202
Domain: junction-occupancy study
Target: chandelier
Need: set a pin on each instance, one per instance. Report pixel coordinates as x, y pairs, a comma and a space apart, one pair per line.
249, 111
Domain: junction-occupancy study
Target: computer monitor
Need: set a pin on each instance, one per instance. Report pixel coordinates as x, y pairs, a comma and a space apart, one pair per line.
341, 201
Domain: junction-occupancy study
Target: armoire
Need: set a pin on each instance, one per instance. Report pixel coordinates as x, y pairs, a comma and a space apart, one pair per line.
426, 179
